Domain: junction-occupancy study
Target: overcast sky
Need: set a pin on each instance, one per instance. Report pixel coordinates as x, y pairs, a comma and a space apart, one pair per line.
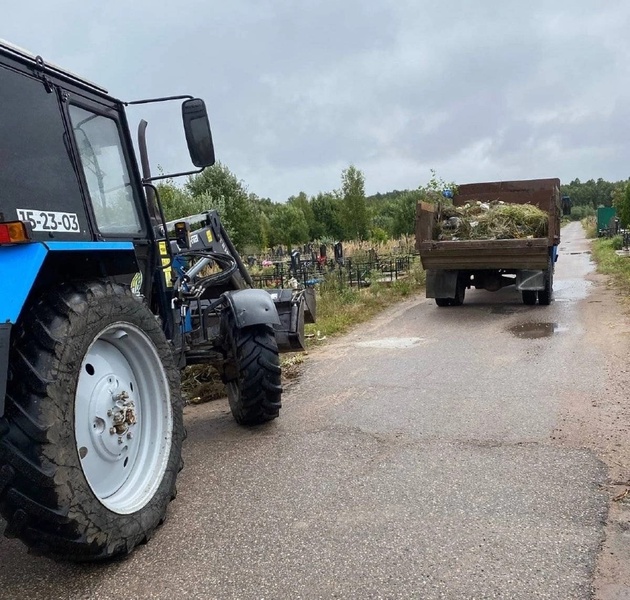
297, 91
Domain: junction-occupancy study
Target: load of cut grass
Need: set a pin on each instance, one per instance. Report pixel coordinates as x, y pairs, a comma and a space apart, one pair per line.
491, 221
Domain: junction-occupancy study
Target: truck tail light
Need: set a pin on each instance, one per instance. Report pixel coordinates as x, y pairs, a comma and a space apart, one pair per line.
14, 232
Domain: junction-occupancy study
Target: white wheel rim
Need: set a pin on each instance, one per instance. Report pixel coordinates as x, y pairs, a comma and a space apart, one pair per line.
123, 418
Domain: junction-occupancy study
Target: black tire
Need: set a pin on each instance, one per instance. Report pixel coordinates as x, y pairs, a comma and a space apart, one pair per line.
545, 296
45, 496
252, 373
460, 293
442, 302
529, 297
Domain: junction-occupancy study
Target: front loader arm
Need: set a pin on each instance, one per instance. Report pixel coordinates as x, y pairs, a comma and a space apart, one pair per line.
294, 307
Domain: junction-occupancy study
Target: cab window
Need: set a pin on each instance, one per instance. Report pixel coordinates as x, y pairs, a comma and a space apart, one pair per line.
106, 172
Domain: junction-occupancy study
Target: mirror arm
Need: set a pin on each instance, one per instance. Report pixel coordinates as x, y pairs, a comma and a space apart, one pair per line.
171, 175
163, 99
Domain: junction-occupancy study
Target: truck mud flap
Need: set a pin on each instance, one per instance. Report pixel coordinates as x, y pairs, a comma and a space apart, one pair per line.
441, 283
530, 280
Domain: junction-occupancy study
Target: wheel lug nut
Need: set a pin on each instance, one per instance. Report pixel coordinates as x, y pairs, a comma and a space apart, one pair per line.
129, 435
120, 440
112, 430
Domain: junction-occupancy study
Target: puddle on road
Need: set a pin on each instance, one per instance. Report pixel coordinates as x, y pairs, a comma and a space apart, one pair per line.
391, 343
532, 331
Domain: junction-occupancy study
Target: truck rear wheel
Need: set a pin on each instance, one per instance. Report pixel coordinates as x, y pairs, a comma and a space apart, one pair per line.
95, 429
252, 373
460, 293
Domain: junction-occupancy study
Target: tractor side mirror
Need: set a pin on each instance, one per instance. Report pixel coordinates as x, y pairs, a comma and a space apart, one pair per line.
198, 135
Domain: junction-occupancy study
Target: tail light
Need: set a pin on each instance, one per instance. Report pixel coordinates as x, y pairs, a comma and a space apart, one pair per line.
14, 232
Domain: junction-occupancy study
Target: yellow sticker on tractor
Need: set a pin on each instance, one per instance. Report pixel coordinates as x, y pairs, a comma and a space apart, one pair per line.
166, 261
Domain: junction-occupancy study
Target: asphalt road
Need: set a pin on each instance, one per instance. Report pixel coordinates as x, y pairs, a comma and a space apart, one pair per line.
420, 456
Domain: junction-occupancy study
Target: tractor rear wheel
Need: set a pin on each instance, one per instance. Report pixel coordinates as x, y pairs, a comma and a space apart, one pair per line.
95, 429
252, 373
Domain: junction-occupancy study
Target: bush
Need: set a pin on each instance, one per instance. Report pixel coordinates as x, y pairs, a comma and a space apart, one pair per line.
590, 227
616, 242
579, 213
609, 263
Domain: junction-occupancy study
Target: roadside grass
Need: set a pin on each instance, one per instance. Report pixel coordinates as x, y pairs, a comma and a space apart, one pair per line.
609, 263
339, 308
590, 227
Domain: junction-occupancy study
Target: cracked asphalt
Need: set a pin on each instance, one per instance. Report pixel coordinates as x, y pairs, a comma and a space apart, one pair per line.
431, 453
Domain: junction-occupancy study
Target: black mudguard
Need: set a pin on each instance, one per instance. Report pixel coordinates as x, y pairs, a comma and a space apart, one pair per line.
252, 307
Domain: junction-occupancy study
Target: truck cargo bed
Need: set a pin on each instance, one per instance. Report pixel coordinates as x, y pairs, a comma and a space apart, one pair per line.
485, 254
513, 254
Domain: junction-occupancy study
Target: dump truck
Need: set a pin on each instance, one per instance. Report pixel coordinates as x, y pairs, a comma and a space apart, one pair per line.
106, 303
453, 266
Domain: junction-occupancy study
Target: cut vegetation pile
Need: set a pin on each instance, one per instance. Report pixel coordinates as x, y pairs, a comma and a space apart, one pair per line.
491, 221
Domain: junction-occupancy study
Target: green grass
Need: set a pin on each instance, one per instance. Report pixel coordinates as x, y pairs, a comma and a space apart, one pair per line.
590, 227
339, 307
608, 263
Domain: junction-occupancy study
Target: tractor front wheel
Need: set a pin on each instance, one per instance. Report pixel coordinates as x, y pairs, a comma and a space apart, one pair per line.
252, 373
94, 424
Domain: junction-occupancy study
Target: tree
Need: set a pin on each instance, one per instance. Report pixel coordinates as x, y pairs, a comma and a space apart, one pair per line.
218, 186
177, 202
622, 204
404, 213
265, 231
590, 193
354, 212
327, 214
301, 201
288, 226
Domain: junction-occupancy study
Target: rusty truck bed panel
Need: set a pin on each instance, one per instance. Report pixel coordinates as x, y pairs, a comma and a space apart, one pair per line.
539, 192
485, 254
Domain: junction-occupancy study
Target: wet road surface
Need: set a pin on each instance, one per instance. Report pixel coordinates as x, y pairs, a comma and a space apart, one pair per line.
416, 457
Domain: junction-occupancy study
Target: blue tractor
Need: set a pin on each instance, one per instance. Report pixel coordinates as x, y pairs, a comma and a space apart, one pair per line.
107, 302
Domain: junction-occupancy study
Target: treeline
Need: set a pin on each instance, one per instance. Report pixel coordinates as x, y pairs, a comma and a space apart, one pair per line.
255, 223
590, 195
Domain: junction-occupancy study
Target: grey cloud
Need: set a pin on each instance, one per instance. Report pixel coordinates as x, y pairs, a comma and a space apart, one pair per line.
297, 91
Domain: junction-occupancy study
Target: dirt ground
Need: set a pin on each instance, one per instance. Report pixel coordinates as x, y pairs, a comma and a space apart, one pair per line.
602, 424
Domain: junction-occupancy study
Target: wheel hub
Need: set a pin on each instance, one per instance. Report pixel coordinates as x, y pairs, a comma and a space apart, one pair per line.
122, 414
112, 417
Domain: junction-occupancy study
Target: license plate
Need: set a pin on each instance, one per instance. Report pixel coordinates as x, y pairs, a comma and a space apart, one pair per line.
46, 220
